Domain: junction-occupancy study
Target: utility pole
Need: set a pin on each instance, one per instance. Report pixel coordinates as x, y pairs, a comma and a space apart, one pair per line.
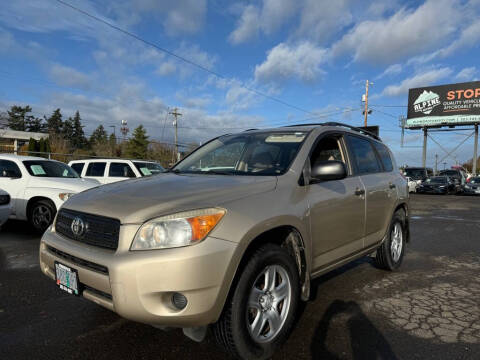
475, 151
366, 102
424, 155
436, 164
175, 113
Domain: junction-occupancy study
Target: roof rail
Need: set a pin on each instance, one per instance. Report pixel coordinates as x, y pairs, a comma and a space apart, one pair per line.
252, 129
333, 123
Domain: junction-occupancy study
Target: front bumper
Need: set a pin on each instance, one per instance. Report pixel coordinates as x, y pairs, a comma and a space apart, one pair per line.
139, 285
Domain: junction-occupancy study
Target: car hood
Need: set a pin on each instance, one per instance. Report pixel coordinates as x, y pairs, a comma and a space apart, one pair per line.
135, 201
70, 184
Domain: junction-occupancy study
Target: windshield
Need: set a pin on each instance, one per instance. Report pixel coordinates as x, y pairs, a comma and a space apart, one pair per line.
475, 180
437, 180
148, 168
415, 174
450, 173
245, 154
46, 168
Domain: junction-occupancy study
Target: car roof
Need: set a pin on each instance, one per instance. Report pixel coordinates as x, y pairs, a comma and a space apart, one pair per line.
21, 157
111, 159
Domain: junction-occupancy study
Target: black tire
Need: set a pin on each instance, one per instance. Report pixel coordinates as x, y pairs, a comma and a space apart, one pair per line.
41, 215
384, 258
231, 331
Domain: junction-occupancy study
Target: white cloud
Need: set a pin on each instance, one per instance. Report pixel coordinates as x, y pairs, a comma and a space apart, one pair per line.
247, 27
67, 76
285, 61
165, 69
320, 19
420, 79
267, 17
394, 69
467, 74
404, 34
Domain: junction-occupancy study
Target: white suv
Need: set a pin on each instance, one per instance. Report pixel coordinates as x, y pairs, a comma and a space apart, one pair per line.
108, 171
38, 187
5, 207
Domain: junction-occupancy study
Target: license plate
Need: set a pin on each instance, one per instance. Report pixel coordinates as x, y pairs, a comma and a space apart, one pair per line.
67, 278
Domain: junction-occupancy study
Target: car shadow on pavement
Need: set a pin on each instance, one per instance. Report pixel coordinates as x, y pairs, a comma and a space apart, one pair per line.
366, 341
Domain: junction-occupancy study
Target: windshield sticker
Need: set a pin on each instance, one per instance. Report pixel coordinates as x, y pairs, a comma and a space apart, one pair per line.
285, 138
37, 170
145, 171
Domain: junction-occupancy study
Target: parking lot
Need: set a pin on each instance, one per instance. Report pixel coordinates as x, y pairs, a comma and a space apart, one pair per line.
430, 309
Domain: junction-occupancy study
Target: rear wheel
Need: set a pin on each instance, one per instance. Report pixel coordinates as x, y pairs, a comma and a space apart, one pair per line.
390, 254
41, 215
260, 312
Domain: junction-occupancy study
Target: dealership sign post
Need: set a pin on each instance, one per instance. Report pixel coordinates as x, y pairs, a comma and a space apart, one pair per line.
444, 105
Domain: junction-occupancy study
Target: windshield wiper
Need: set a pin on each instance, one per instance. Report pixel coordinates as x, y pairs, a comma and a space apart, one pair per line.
175, 171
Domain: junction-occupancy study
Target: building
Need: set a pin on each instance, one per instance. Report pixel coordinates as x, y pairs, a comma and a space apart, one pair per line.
11, 140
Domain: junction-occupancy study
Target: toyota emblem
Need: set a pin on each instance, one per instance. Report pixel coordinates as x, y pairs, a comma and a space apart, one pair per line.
78, 226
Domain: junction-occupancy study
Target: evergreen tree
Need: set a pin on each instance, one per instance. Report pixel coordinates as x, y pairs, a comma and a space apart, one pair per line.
16, 117
55, 122
41, 146
67, 129
112, 140
34, 124
137, 146
78, 140
99, 136
32, 146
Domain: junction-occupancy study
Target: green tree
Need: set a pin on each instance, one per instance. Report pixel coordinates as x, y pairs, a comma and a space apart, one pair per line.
137, 146
32, 146
55, 122
34, 124
41, 146
16, 117
99, 136
67, 129
78, 137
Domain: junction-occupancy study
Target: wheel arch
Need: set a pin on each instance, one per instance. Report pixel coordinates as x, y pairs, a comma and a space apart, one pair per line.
35, 199
404, 206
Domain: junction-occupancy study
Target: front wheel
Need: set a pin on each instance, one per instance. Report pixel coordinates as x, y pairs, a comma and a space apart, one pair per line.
390, 254
260, 313
41, 215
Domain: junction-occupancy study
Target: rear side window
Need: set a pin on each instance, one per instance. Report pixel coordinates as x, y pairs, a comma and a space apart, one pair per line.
9, 169
384, 156
364, 157
78, 167
120, 170
96, 169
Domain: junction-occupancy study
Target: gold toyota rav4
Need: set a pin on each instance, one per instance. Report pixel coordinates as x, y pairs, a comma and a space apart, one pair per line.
232, 235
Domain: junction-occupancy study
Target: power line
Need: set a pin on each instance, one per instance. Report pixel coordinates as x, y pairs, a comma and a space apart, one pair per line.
179, 57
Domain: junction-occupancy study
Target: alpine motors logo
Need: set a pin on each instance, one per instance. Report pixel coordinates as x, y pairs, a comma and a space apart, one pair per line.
426, 102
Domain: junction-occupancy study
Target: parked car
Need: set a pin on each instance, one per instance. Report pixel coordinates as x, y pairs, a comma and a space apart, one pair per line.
235, 247
112, 170
437, 185
473, 186
38, 187
412, 184
5, 207
458, 176
418, 174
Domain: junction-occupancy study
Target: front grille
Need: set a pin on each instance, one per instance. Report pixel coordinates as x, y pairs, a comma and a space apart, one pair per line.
99, 231
85, 263
4, 199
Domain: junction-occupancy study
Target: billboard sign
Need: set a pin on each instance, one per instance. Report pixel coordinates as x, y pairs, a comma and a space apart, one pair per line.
444, 105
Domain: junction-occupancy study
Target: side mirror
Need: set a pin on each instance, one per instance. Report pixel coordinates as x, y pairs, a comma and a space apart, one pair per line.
328, 170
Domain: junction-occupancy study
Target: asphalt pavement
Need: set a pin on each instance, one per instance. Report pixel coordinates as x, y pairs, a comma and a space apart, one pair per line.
429, 309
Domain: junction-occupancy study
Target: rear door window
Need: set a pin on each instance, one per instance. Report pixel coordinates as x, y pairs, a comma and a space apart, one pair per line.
384, 156
364, 158
78, 167
96, 169
120, 170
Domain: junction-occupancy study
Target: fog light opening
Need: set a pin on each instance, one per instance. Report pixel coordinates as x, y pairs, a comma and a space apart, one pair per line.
179, 301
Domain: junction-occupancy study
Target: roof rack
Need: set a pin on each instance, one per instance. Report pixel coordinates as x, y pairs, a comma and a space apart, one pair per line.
252, 129
332, 123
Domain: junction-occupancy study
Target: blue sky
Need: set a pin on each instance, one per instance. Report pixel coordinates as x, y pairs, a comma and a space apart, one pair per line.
314, 55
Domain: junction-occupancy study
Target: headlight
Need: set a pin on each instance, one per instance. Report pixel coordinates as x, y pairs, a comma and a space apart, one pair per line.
181, 229
65, 196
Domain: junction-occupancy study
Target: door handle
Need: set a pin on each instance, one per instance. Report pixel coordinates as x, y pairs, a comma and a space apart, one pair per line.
359, 192
392, 186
